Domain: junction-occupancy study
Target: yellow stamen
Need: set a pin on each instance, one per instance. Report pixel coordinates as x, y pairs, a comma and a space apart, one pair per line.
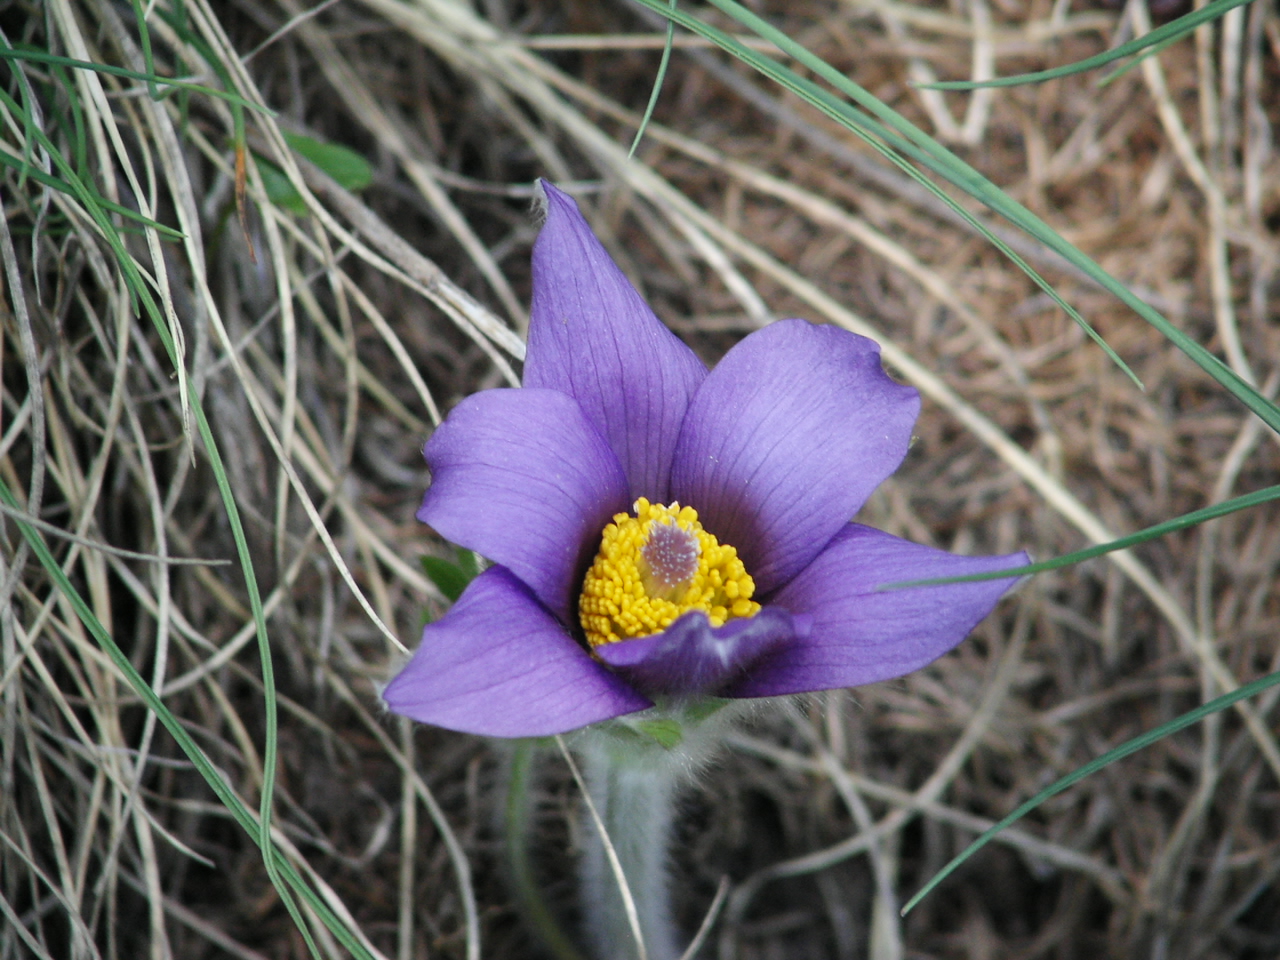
655, 566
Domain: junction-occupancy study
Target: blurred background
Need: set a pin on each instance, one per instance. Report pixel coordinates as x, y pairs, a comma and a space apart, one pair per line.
308, 257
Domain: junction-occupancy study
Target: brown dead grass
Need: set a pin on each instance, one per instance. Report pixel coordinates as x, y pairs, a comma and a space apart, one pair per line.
358, 324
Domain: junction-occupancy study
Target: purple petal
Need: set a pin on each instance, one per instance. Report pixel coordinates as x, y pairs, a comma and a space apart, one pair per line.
860, 635
786, 438
691, 657
592, 336
498, 664
522, 478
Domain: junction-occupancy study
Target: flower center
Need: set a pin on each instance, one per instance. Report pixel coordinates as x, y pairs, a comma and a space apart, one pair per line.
656, 566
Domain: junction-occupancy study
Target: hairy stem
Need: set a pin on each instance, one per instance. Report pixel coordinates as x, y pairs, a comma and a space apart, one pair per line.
634, 796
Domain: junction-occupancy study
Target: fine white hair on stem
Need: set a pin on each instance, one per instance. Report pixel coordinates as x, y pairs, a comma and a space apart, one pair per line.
624, 888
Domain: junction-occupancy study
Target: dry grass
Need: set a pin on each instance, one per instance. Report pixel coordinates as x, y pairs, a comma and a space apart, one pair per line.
324, 346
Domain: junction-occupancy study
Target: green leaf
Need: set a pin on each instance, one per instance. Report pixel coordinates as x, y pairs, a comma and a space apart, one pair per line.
701, 709
348, 169
449, 577
667, 732
279, 190
468, 563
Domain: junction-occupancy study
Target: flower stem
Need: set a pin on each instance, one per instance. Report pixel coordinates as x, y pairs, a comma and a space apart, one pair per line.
634, 795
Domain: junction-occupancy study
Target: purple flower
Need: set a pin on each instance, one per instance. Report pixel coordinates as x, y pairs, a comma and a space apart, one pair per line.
661, 532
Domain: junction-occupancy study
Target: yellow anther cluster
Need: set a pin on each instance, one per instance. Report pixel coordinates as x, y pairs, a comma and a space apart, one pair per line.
624, 596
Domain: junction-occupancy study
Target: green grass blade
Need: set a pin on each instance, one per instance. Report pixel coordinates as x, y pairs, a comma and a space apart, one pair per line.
894, 148
657, 85
28, 122
270, 757
1126, 67
38, 56
1161, 37
945, 163
1183, 522
79, 130
901, 134
1093, 766
242, 814
144, 39
39, 176
142, 298
176, 19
